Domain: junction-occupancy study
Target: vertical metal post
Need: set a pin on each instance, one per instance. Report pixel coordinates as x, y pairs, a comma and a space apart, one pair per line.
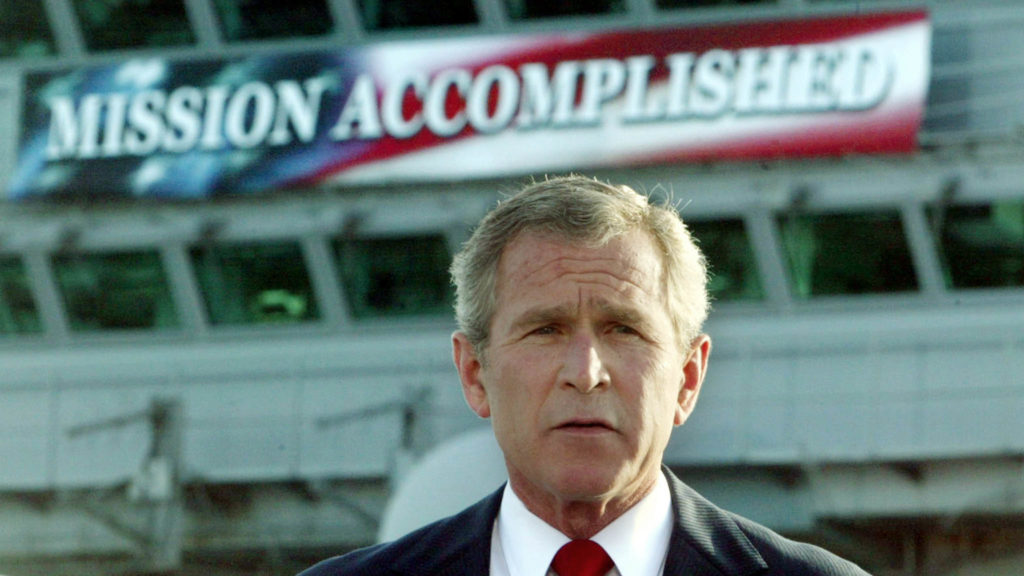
163, 493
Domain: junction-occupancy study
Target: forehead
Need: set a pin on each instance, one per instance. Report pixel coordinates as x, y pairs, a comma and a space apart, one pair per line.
629, 265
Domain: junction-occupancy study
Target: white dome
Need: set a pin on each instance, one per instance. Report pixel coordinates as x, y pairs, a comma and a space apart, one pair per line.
447, 479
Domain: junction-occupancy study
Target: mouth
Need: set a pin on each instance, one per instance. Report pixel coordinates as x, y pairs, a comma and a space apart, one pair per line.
585, 426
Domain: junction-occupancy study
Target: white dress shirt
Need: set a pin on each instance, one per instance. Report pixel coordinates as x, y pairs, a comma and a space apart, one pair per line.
524, 545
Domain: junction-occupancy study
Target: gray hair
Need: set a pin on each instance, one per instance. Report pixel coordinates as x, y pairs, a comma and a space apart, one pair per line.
579, 210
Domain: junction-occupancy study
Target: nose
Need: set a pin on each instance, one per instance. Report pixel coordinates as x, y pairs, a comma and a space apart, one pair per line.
583, 368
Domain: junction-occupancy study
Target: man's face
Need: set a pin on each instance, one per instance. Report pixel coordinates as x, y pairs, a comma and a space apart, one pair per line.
585, 375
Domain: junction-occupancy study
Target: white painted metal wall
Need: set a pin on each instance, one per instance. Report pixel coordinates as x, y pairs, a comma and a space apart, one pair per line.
863, 386
875, 385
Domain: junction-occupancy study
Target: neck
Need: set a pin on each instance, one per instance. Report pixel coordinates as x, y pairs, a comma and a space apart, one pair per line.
579, 518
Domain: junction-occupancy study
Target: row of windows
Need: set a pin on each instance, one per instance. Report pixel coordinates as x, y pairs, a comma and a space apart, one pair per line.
269, 282
251, 283
856, 253
119, 24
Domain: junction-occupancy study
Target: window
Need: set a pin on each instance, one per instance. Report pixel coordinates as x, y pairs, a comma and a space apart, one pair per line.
858, 253
527, 9
18, 313
388, 14
114, 291
734, 273
265, 283
116, 24
395, 276
24, 30
259, 19
983, 245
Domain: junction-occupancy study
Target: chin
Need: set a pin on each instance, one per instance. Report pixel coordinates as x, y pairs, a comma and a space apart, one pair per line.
585, 482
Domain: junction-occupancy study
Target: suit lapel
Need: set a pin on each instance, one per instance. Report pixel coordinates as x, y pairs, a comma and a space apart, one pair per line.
705, 540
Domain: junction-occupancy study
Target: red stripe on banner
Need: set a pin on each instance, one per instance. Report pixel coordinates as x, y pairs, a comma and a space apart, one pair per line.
660, 43
890, 134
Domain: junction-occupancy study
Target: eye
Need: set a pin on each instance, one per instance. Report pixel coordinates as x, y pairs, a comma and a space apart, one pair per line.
545, 330
625, 329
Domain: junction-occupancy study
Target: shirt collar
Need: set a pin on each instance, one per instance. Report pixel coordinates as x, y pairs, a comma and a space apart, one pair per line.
637, 541
528, 542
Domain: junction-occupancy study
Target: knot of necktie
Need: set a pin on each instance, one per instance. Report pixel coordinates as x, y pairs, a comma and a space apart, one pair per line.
582, 558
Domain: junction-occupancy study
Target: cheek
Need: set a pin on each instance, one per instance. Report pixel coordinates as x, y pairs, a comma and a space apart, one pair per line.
511, 394
657, 391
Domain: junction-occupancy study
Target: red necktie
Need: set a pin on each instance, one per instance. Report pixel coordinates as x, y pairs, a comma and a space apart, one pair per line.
582, 558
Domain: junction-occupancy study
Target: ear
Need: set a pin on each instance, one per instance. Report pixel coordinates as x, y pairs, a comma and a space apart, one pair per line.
469, 367
693, 376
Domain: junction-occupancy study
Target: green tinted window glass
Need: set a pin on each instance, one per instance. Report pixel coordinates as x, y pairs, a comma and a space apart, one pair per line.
114, 291
705, 3
18, 313
114, 24
983, 246
259, 19
395, 276
387, 14
730, 259
254, 283
526, 9
24, 30
859, 253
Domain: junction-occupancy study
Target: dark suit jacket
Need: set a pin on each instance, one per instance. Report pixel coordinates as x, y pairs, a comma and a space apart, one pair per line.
706, 541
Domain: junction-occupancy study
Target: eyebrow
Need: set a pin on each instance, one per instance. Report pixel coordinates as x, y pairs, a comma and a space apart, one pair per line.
625, 314
539, 316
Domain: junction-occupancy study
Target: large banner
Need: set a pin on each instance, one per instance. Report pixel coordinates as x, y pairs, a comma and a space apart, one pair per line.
476, 107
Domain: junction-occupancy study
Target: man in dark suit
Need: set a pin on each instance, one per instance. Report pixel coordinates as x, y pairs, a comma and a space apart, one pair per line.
580, 307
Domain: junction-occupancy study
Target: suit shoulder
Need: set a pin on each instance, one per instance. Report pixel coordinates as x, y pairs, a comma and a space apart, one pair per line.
431, 544
794, 557
735, 544
459, 539
372, 561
